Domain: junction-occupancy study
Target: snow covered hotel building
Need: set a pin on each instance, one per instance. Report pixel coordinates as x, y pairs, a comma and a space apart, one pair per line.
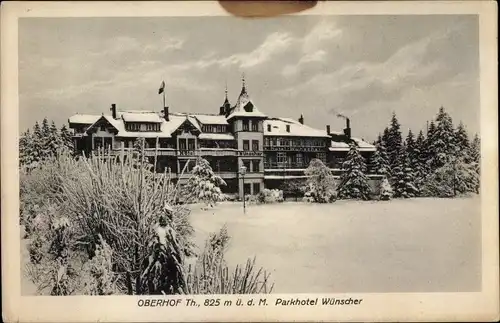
273, 149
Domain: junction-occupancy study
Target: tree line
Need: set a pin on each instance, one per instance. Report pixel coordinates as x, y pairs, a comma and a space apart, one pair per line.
42, 142
443, 162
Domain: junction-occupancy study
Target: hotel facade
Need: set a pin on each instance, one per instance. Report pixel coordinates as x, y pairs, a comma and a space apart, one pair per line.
272, 149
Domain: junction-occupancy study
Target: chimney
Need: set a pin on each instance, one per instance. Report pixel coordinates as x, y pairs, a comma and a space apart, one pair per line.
165, 114
287, 128
113, 110
301, 119
222, 111
327, 129
347, 130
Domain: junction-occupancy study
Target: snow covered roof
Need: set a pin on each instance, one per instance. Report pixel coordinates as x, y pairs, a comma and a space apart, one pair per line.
244, 106
211, 119
343, 146
279, 128
150, 117
216, 136
83, 118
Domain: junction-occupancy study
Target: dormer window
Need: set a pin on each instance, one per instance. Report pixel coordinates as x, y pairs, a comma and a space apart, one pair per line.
248, 107
268, 128
287, 128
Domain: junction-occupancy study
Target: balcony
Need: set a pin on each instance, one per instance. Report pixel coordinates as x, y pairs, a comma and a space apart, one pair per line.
216, 152
296, 148
281, 166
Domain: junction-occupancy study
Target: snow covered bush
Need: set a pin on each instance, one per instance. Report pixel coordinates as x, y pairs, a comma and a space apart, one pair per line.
204, 185
270, 196
456, 177
320, 185
385, 190
211, 274
354, 182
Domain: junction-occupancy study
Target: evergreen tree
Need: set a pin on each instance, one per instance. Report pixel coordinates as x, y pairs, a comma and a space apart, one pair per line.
25, 155
385, 137
403, 180
410, 147
380, 161
475, 149
54, 141
37, 143
443, 143
320, 186
394, 140
46, 148
461, 138
419, 164
354, 182
66, 138
428, 152
475, 157
204, 185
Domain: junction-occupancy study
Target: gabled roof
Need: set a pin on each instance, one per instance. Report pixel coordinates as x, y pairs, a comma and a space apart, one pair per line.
244, 106
279, 128
109, 119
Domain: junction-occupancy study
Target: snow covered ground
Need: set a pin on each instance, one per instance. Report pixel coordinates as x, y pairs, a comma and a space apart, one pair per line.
415, 245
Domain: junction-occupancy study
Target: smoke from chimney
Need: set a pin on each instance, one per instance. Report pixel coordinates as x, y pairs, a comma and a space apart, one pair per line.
113, 110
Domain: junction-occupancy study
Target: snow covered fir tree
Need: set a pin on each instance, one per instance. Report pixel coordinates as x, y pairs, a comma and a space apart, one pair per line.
203, 185
403, 178
353, 181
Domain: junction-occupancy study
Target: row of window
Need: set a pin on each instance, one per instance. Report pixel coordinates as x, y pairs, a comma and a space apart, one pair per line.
248, 124
134, 126
215, 128
277, 141
252, 165
255, 145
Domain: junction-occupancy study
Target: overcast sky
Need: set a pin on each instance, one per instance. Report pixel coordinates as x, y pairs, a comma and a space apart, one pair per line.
365, 67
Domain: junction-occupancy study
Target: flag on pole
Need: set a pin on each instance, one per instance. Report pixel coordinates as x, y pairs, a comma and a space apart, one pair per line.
162, 87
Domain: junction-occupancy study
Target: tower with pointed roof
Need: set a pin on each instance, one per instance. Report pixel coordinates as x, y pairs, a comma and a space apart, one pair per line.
246, 122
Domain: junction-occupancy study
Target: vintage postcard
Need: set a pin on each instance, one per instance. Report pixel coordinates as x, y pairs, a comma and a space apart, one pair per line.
169, 161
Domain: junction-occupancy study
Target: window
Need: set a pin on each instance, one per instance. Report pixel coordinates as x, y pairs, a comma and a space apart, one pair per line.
267, 141
191, 145
246, 145
102, 128
268, 128
256, 188
299, 160
321, 156
256, 166
281, 158
246, 163
245, 125
182, 144
247, 188
255, 126
255, 145
287, 128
